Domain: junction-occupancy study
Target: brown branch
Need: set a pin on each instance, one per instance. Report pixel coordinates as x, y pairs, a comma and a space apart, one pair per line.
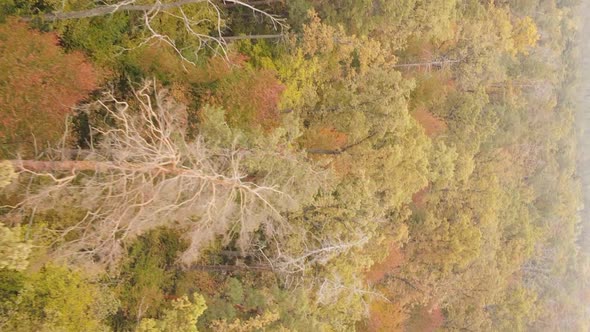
230, 268
142, 175
87, 165
341, 150
407, 282
60, 166
275, 36
38, 167
439, 64
235, 253
256, 3
151, 11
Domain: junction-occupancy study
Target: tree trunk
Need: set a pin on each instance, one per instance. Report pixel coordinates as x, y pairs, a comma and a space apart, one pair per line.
256, 3
438, 64
341, 150
61, 166
106, 10
230, 268
275, 36
71, 166
407, 282
111, 9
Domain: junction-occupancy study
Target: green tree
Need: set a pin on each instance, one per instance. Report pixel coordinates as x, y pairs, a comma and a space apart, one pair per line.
182, 316
59, 299
147, 276
7, 173
14, 252
252, 324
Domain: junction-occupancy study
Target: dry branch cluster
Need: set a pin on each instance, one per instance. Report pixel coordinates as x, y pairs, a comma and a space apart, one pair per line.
144, 173
193, 28
217, 43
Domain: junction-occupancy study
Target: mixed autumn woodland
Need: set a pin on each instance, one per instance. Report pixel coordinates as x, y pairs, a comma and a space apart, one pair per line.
294, 165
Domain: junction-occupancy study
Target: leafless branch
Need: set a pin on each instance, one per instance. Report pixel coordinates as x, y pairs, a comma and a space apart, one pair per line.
158, 9
143, 174
287, 263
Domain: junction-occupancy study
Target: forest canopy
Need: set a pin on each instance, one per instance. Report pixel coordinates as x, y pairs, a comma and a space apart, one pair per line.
354, 165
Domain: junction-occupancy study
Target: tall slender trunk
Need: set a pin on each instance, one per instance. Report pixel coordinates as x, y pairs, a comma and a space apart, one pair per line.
230, 268
256, 3
106, 10
62, 165
341, 150
429, 64
274, 36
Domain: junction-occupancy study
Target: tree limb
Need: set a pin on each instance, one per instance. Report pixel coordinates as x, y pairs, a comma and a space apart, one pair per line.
341, 150
106, 10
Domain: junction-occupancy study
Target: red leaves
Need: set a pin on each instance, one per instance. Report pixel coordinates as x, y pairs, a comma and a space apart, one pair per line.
327, 138
39, 83
432, 125
380, 270
249, 97
265, 93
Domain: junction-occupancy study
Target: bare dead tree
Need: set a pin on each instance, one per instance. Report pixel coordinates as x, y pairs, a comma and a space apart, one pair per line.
335, 289
144, 174
289, 263
328, 286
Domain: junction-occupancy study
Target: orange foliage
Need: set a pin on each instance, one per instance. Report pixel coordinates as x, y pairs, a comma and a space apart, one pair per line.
202, 281
159, 60
378, 271
426, 319
419, 50
181, 93
432, 88
205, 283
264, 95
327, 138
218, 68
386, 317
38, 84
507, 165
249, 97
419, 197
450, 44
432, 125
436, 317
343, 165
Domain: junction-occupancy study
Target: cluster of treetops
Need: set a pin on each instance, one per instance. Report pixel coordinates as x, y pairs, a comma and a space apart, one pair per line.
442, 130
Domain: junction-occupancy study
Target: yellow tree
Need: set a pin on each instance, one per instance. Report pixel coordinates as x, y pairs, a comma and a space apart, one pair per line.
524, 35
182, 316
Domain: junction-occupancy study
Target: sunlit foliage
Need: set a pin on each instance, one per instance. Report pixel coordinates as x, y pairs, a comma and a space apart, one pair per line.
378, 166
39, 85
